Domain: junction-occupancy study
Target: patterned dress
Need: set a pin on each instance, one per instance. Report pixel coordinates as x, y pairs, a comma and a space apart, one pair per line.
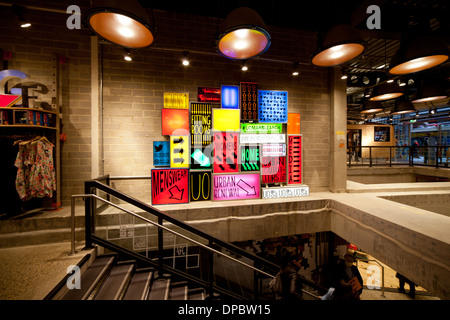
36, 176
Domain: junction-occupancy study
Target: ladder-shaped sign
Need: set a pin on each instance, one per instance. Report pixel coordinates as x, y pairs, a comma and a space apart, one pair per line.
295, 159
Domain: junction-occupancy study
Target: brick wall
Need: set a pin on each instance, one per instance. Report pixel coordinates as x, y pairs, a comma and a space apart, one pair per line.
133, 92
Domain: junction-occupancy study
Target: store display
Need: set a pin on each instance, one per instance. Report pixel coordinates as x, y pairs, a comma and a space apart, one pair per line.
229, 151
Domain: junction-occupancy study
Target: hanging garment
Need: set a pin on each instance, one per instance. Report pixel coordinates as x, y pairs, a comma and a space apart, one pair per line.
36, 176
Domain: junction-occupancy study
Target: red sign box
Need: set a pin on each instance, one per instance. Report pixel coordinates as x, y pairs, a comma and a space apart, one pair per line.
206, 94
273, 169
226, 152
170, 186
295, 159
175, 119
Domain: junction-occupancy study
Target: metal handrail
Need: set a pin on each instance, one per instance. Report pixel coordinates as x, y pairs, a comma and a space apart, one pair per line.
166, 229
84, 196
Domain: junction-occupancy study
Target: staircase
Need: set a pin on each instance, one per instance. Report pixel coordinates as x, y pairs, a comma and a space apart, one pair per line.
108, 278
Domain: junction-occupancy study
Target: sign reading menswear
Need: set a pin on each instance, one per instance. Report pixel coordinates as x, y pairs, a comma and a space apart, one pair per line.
170, 186
236, 186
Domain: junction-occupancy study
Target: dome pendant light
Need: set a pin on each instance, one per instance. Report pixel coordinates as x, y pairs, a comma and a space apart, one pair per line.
386, 91
341, 43
372, 107
403, 107
431, 92
243, 35
419, 54
125, 23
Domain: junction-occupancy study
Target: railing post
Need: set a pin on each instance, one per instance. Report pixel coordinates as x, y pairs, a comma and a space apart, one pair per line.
436, 157
370, 156
349, 156
88, 215
390, 156
160, 247
211, 271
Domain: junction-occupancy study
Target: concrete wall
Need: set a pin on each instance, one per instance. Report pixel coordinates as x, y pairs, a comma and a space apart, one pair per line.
118, 138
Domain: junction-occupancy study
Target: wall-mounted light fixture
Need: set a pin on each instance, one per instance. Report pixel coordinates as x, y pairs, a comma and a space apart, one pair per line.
20, 11
127, 55
244, 66
125, 23
243, 35
340, 44
295, 70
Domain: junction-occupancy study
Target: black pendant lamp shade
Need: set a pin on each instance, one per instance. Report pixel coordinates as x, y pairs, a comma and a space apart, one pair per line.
386, 91
371, 107
403, 107
125, 23
340, 44
419, 54
431, 92
243, 35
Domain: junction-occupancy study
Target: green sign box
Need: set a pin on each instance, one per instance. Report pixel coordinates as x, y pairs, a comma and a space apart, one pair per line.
261, 127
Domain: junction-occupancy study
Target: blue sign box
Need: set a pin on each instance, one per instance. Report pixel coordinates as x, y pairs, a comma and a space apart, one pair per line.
272, 106
161, 153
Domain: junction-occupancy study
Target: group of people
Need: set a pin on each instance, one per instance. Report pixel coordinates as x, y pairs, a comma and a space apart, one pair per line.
347, 282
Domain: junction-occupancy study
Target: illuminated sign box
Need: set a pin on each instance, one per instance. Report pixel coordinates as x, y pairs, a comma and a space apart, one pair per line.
261, 127
200, 186
286, 192
176, 100
175, 121
293, 125
230, 97
295, 159
236, 186
249, 101
272, 106
206, 94
273, 169
202, 158
179, 151
225, 152
250, 138
250, 158
226, 120
170, 186
273, 150
201, 123
161, 153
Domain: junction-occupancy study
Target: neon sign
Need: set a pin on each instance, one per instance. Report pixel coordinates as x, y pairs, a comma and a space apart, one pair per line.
200, 186
161, 153
236, 186
170, 186
249, 101
176, 100
261, 127
206, 94
250, 138
225, 120
272, 106
174, 120
295, 159
225, 152
201, 124
230, 97
293, 125
250, 158
286, 192
273, 169
179, 151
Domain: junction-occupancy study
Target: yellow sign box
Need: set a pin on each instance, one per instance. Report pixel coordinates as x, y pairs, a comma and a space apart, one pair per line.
226, 120
176, 100
179, 151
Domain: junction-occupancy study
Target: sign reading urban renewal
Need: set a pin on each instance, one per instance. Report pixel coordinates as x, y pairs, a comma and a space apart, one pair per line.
170, 186
285, 192
261, 127
236, 186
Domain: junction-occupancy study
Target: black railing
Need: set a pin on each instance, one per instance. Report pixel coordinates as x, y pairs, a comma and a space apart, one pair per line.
431, 156
151, 223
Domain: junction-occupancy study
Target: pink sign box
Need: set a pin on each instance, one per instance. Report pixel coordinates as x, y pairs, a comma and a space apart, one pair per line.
236, 186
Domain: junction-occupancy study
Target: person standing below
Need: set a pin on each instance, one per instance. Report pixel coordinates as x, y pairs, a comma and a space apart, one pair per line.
290, 280
349, 281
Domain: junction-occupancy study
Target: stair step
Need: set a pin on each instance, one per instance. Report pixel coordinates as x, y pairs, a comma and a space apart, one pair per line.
179, 291
91, 277
160, 289
116, 282
139, 285
196, 294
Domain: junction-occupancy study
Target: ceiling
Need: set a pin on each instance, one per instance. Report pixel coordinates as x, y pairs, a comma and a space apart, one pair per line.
397, 18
